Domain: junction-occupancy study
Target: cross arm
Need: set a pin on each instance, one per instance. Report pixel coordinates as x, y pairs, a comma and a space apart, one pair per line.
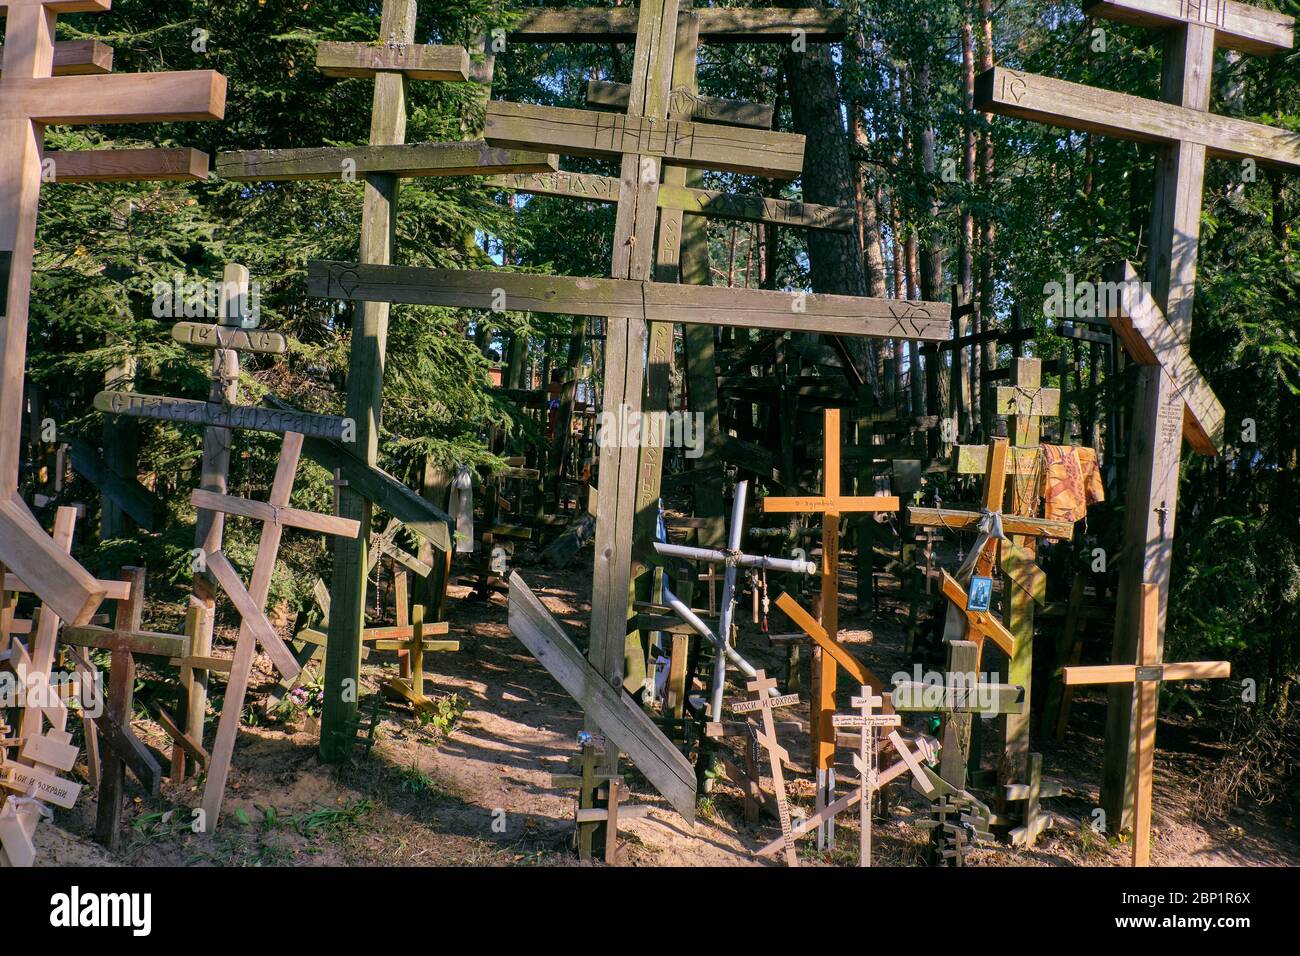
148, 643
252, 615
58, 580
1089, 109
838, 505
1237, 26
78, 58
421, 62
859, 671
128, 165
719, 25
261, 511
118, 98
471, 158
1134, 673
687, 105
203, 335
1149, 337
1011, 524
982, 622
772, 155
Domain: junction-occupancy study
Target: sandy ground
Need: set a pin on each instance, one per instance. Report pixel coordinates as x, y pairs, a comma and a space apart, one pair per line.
481, 794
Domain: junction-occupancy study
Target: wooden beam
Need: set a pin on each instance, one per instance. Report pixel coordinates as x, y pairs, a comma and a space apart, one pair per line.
220, 415
691, 201
1089, 109
617, 715
855, 668
1151, 340
718, 25
574, 132
78, 58
144, 507
427, 62
261, 511
687, 105
1016, 401
622, 298
413, 160
149, 643
253, 617
128, 165
117, 98
29, 552
204, 336
1011, 524
1237, 26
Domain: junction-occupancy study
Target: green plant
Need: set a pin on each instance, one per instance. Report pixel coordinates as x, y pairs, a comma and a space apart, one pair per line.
445, 713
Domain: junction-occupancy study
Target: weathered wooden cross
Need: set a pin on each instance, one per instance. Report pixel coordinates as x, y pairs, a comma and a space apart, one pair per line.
414, 639
831, 505
1171, 400
31, 96
762, 686
250, 602
123, 749
1145, 676
866, 760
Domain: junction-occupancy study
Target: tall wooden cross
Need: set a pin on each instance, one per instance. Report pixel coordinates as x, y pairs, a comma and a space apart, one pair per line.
1170, 399
831, 505
31, 96
250, 602
1145, 677
381, 164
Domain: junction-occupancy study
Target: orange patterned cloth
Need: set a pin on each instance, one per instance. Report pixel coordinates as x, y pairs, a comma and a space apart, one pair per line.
1071, 481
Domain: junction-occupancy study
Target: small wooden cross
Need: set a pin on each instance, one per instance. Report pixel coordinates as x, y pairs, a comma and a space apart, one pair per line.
869, 724
761, 686
411, 639
338, 483
1034, 821
1146, 674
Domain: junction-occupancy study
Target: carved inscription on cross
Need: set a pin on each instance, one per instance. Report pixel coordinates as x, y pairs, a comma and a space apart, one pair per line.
762, 687
31, 97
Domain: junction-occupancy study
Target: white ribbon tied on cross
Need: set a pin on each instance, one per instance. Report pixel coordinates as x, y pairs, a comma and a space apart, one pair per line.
989, 527
461, 506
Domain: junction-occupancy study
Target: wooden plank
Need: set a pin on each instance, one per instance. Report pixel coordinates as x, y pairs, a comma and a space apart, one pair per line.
687, 104
202, 335
149, 643
78, 58
416, 62
253, 617
215, 414
182, 739
1089, 109
1084, 335
376, 485
823, 505
116, 98
126, 747
693, 202
49, 787
1011, 524
50, 751
1150, 339
1237, 26
856, 669
61, 583
574, 132
619, 717
619, 298
718, 25
144, 507
414, 160
973, 460
983, 623
262, 511
128, 165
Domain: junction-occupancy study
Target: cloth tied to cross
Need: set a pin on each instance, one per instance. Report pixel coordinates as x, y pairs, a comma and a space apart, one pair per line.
461, 506
990, 528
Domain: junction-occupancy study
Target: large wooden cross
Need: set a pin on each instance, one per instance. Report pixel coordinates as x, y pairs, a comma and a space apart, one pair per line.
31, 96
250, 602
1185, 133
1145, 677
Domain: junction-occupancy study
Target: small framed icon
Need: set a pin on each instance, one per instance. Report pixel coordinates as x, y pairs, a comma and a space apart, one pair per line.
980, 594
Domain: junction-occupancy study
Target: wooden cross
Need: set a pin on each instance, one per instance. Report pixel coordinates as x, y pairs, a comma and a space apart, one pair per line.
338, 483
761, 687
1186, 134
250, 602
31, 97
866, 760
1033, 820
830, 505
414, 641
1146, 676
122, 748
